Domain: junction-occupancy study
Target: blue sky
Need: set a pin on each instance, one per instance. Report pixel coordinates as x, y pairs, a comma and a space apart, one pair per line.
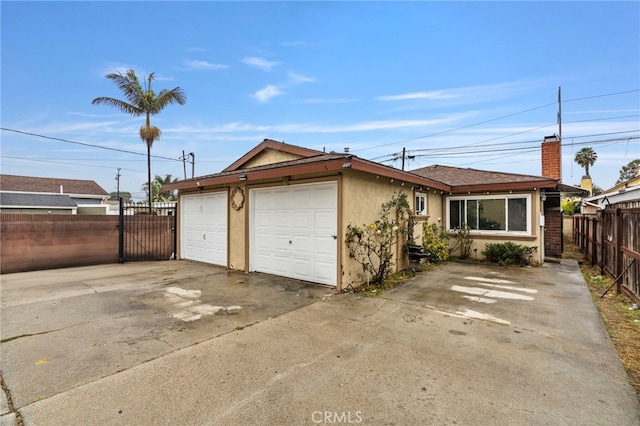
466, 84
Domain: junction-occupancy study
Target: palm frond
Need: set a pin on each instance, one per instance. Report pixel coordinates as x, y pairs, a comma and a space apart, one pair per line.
118, 104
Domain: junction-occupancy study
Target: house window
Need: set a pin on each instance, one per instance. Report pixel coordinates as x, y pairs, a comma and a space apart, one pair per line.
421, 204
490, 214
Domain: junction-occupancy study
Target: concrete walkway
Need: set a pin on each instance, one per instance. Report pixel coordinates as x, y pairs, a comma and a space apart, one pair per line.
420, 354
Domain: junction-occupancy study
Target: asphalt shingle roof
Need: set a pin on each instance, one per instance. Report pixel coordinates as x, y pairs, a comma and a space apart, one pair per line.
456, 176
12, 199
49, 185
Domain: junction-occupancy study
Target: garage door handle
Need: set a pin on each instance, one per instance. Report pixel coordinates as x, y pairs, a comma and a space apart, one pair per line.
335, 237
204, 237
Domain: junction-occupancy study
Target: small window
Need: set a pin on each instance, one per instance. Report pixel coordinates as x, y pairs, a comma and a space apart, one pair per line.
421, 204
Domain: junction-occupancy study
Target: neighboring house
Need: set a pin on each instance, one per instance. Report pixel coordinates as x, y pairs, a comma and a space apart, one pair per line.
38, 195
284, 210
626, 193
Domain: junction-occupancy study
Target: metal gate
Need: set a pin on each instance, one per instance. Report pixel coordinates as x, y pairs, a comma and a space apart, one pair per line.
147, 234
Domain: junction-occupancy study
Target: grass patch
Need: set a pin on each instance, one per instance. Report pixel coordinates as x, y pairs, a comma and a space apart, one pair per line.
393, 281
242, 327
622, 324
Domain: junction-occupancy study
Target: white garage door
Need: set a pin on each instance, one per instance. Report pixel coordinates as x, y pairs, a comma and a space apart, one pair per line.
203, 225
293, 231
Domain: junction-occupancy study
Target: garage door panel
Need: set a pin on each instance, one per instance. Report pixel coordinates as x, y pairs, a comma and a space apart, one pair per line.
204, 228
324, 271
292, 229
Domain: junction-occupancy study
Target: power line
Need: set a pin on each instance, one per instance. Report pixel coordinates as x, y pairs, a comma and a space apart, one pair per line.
39, 160
505, 116
601, 96
84, 144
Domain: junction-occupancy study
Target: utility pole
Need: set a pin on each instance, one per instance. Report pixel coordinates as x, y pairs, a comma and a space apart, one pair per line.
184, 164
118, 183
404, 154
193, 165
560, 113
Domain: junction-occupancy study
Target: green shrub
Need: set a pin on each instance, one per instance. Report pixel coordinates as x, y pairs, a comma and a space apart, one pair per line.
434, 243
508, 253
373, 245
570, 207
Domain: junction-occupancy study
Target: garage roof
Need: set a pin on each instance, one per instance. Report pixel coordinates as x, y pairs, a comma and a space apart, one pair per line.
12, 199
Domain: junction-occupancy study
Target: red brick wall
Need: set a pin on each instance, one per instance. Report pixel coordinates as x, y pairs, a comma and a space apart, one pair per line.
32, 242
551, 160
552, 227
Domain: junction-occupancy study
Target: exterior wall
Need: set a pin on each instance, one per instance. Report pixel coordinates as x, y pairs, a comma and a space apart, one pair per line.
567, 227
238, 228
97, 210
270, 157
587, 183
551, 159
553, 227
435, 209
362, 198
32, 242
535, 239
37, 211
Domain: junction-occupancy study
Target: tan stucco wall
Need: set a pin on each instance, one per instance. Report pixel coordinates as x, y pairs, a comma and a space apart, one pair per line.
363, 196
238, 223
435, 208
269, 157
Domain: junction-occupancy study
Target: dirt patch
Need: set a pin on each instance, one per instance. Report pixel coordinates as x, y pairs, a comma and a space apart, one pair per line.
622, 323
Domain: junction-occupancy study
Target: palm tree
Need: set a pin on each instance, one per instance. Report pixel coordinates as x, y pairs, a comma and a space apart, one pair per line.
586, 157
158, 193
142, 101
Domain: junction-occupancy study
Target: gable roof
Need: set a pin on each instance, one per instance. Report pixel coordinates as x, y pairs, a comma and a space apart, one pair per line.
465, 180
32, 184
270, 144
321, 163
14, 199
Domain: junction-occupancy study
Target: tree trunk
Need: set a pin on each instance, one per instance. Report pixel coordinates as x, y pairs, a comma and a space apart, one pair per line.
149, 175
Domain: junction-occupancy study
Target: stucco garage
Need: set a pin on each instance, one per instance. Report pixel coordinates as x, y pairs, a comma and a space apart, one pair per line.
293, 231
288, 210
203, 227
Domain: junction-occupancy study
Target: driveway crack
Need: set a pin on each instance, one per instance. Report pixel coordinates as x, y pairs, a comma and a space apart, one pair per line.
12, 408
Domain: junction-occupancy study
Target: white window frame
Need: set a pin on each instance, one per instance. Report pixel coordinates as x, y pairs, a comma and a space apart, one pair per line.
422, 212
493, 197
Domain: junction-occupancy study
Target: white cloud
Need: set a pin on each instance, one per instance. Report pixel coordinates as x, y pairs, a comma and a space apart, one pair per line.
469, 94
203, 65
299, 78
260, 63
264, 95
438, 94
297, 43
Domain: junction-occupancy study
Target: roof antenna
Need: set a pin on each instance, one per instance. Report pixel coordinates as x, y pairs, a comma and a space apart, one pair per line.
346, 149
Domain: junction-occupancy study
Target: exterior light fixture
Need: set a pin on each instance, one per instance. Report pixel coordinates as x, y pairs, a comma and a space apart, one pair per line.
242, 177
346, 165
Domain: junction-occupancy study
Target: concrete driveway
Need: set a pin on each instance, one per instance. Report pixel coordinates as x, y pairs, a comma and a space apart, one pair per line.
464, 344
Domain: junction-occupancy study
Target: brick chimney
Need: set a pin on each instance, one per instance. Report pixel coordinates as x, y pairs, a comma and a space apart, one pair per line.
552, 157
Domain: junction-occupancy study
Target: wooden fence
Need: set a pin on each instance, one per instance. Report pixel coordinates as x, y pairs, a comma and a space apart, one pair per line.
610, 239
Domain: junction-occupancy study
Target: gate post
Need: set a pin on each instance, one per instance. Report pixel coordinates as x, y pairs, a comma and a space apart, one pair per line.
175, 232
618, 249
121, 233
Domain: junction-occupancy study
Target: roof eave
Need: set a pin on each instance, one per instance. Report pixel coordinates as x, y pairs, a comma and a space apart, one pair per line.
498, 187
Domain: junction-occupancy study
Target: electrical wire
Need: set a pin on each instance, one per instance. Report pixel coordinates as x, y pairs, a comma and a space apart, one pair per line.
84, 144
